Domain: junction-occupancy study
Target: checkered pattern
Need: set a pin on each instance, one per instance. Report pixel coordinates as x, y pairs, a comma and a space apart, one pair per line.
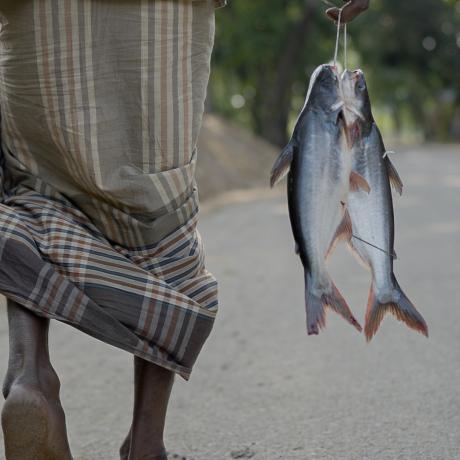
157, 302
101, 104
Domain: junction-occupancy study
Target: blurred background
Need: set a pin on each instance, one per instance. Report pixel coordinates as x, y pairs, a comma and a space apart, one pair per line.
410, 51
262, 388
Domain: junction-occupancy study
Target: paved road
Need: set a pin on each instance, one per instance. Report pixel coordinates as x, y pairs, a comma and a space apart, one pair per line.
264, 390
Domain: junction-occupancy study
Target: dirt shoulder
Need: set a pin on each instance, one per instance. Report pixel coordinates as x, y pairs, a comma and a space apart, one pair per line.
231, 158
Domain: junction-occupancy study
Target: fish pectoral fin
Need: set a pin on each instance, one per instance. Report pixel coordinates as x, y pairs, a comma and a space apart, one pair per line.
344, 232
281, 165
393, 175
357, 182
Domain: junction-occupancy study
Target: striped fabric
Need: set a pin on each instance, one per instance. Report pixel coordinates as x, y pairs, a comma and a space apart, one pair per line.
101, 103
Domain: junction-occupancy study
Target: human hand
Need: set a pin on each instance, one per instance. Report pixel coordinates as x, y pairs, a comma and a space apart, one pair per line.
349, 11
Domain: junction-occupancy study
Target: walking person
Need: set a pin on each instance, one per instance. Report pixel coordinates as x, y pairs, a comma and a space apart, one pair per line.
101, 103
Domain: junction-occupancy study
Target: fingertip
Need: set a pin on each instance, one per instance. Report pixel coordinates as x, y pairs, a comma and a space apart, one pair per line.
333, 13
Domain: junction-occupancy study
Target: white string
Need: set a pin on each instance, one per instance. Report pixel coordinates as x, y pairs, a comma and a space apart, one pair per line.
393, 256
345, 41
345, 47
338, 37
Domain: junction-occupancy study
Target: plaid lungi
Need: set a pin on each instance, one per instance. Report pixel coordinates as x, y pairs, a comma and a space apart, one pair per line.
101, 103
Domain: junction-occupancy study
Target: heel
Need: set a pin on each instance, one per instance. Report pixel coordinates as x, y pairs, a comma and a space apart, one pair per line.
25, 424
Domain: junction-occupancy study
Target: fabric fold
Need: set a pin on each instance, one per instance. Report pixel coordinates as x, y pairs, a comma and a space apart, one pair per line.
101, 103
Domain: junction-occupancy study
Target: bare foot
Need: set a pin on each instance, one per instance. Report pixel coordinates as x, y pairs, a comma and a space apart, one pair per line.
33, 425
124, 449
154, 453
159, 452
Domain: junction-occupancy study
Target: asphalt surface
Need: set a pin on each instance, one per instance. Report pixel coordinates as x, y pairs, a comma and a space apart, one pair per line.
262, 388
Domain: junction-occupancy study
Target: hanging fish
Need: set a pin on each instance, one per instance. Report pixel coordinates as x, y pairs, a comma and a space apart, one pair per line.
372, 213
318, 184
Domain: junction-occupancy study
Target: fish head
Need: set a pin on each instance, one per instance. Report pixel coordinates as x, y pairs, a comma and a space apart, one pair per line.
356, 104
355, 96
324, 92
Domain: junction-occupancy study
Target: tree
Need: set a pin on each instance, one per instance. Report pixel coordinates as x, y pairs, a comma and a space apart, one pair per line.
266, 50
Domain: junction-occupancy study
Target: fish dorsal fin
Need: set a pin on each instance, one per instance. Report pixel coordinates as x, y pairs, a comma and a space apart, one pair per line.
344, 232
393, 175
357, 182
282, 164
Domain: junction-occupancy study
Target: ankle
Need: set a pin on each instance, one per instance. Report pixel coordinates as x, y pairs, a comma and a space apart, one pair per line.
150, 451
44, 377
125, 447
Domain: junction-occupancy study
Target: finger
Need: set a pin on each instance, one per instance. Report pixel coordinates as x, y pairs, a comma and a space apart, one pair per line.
353, 9
349, 11
333, 13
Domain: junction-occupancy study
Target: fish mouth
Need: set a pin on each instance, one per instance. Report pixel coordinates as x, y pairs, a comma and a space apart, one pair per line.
358, 80
357, 74
334, 68
348, 114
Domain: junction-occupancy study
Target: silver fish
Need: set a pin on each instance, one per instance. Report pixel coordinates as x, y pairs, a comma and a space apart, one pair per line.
372, 213
318, 184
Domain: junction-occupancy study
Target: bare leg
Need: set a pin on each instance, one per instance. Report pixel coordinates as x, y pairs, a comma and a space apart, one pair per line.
33, 420
124, 449
152, 388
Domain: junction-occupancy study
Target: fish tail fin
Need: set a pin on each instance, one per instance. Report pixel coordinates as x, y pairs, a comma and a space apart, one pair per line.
336, 302
316, 315
399, 305
316, 302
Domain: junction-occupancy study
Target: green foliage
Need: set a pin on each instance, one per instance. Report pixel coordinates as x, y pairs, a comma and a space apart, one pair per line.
410, 52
